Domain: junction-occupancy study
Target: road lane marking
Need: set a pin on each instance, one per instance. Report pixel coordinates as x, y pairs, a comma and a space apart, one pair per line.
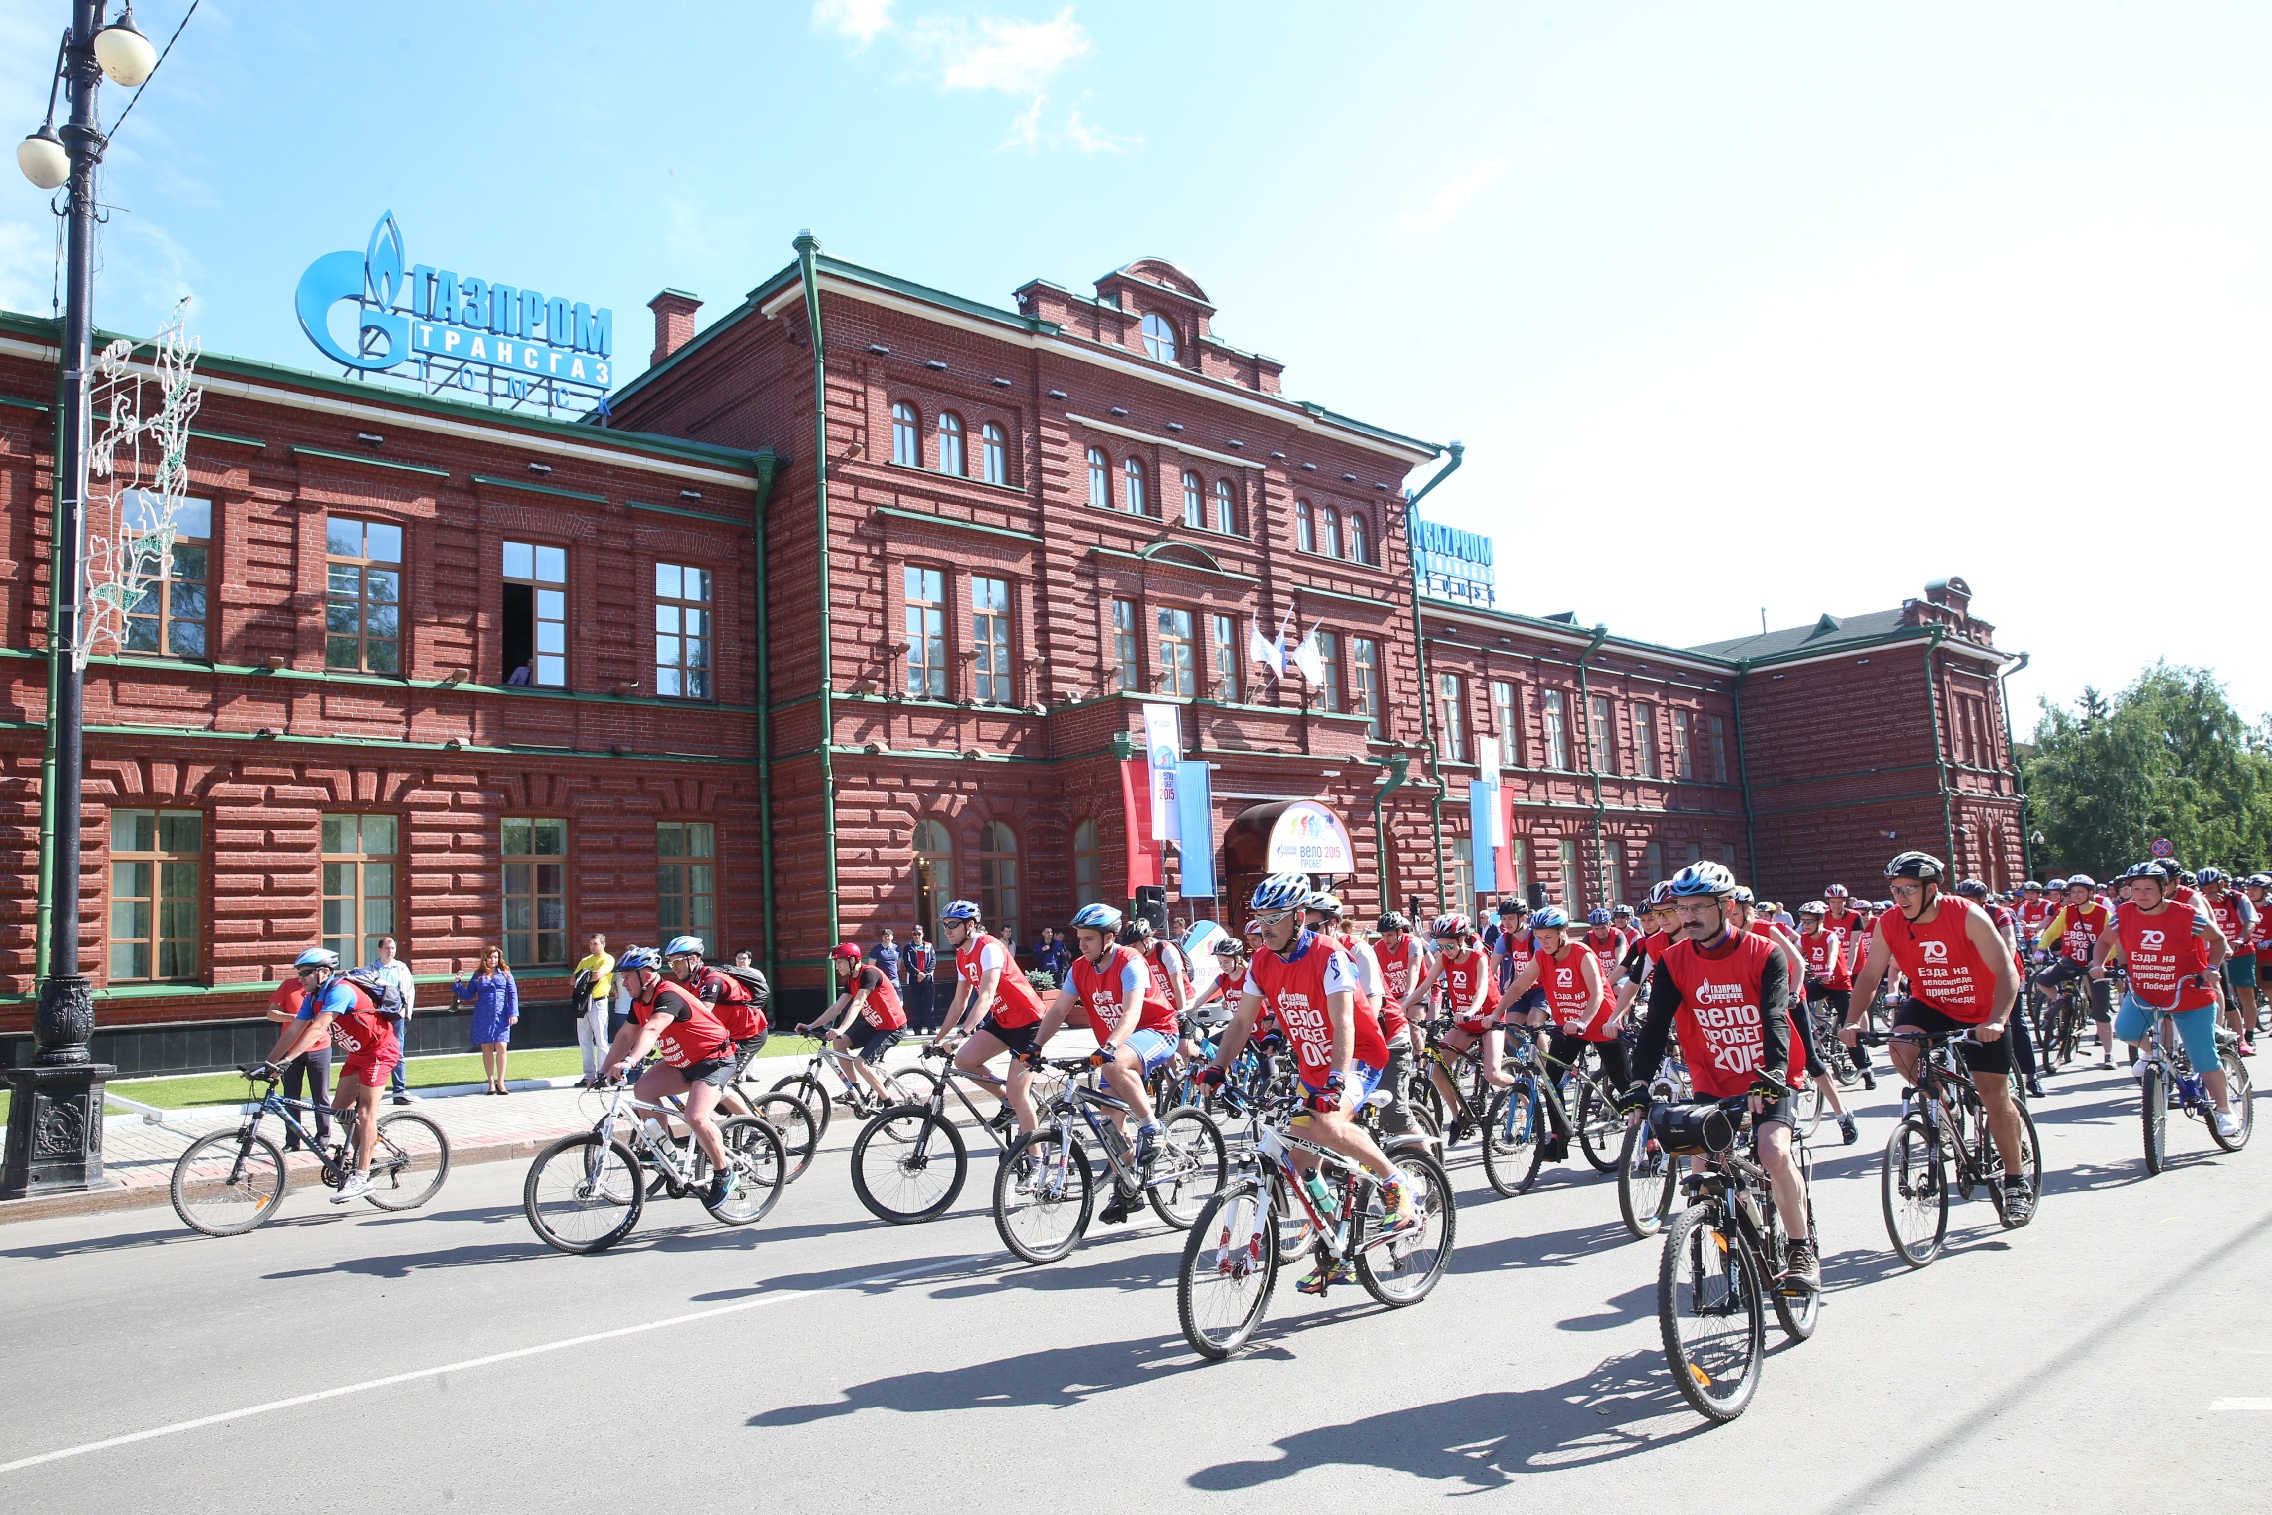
758, 1303
2240, 1404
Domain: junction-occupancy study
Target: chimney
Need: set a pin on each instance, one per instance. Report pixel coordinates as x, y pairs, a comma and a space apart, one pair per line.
674, 322
1952, 594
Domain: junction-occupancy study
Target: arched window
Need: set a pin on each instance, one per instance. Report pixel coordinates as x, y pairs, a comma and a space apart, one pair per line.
1360, 551
1100, 479
1226, 509
1305, 529
1329, 532
906, 435
994, 454
1159, 338
934, 874
998, 881
1088, 864
950, 443
1194, 501
1135, 471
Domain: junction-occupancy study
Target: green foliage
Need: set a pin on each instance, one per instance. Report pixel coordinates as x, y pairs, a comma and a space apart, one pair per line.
2168, 756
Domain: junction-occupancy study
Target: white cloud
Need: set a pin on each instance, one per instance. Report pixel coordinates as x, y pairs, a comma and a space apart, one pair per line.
1446, 204
993, 53
1025, 128
1082, 137
861, 20
1031, 131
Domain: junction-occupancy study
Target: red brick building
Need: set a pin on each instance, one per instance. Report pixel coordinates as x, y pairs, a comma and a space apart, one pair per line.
1035, 519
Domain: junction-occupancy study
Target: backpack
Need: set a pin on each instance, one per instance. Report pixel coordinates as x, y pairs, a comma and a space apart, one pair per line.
386, 999
754, 989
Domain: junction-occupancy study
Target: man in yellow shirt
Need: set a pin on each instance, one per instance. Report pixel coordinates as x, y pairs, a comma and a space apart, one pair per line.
595, 991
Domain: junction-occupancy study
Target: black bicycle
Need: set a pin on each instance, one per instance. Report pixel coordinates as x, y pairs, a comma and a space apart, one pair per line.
909, 1161
808, 1090
1943, 1142
231, 1181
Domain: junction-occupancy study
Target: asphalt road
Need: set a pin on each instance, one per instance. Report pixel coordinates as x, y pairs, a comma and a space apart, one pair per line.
827, 1360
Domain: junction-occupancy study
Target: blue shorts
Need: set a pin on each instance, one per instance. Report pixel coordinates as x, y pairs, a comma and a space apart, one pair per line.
2196, 1028
2240, 971
1154, 1048
1363, 1074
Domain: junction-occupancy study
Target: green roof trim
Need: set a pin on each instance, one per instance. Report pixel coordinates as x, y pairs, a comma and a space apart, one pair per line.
369, 462
495, 482
1516, 620
24, 404
930, 519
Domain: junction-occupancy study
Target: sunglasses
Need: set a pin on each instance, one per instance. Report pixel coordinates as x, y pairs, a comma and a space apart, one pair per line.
1271, 917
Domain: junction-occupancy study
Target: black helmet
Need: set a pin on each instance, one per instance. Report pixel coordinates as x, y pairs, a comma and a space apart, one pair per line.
1972, 889
1921, 866
1392, 920
1135, 931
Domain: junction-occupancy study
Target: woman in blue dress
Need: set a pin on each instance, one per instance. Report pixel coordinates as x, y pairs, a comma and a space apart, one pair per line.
496, 1010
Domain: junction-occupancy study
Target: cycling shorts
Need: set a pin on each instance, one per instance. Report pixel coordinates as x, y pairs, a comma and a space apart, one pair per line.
371, 1072
746, 1049
1018, 1039
1987, 1057
2240, 971
718, 1072
2196, 1028
872, 1041
1152, 1048
1363, 1077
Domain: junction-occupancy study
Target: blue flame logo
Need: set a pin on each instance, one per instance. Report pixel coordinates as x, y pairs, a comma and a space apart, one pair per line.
374, 281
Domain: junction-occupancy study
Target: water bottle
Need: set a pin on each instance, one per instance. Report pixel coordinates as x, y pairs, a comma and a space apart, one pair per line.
1320, 1196
1114, 1142
652, 1129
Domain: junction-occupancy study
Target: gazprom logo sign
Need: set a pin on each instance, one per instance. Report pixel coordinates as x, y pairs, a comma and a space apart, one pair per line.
1454, 563
447, 324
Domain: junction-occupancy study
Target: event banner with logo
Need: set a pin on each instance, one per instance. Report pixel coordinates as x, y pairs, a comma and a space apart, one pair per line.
1196, 831
1163, 750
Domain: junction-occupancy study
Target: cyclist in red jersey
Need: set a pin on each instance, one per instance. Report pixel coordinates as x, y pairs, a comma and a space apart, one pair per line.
1110, 981
1579, 1009
2236, 918
1323, 914
1657, 926
697, 1055
2260, 944
866, 1021
1471, 998
2070, 937
1962, 978
994, 998
343, 1011
1311, 986
1402, 955
2172, 953
2033, 912
1748, 916
1724, 992
737, 1008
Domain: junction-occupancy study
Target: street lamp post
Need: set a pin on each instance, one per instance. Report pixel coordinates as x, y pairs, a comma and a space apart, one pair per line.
55, 1114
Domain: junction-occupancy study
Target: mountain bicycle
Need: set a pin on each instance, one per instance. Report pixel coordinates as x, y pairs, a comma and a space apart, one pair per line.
586, 1191
1044, 1189
229, 1182
1942, 1141
787, 1113
1517, 1123
909, 1160
1645, 1169
2166, 1079
1726, 1256
808, 1090
1266, 1215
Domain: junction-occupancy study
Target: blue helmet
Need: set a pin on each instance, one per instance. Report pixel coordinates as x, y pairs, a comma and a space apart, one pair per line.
1280, 891
317, 957
1597, 916
959, 910
682, 945
1552, 918
1700, 879
1097, 917
636, 958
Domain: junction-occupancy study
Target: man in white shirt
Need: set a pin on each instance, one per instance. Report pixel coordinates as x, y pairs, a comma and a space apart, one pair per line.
397, 972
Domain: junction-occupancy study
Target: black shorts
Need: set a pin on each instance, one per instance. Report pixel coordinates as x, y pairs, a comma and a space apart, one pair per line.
1986, 1057
747, 1049
1777, 1109
1839, 1000
1018, 1039
872, 1041
718, 1072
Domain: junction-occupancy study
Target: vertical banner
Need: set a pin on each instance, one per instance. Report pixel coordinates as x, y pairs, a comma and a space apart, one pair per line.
1136, 810
1163, 749
1509, 875
1486, 834
1195, 832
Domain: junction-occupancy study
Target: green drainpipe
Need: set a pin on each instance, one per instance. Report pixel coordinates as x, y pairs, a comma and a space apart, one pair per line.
2019, 785
1420, 651
1940, 754
766, 465
807, 246
1395, 769
1743, 774
43, 931
1593, 759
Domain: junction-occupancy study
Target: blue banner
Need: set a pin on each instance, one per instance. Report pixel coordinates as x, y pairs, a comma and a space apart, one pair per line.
1195, 805
1482, 805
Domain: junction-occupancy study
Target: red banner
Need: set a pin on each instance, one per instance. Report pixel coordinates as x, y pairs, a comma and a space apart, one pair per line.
1144, 864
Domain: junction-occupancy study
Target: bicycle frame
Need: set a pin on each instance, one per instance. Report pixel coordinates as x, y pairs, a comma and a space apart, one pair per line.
271, 1102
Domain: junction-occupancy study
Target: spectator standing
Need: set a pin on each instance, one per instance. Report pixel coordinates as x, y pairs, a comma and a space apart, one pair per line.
1049, 955
397, 972
919, 965
742, 960
595, 993
496, 1010
886, 956
313, 1067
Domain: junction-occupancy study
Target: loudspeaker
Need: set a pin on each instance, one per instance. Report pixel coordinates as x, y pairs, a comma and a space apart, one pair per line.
1537, 896
1152, 904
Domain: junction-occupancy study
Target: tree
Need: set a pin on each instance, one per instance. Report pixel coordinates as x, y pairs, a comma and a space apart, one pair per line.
2167, 757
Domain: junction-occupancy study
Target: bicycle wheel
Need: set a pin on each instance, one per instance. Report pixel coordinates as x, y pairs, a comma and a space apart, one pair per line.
1601, 1128
1291, 1220
1403, 1270
908, 1165
800, 1139
1229, 1267
813, 1095
1514, 1126
583, 1193
1711, 1313
754, 1149
919, 1084
2031, 1164
2153, 1112
412, 1161
1644, 1183
1916, 1193
1797, 1313
228, 1182
2242, 1093
1188, 1169
1042, 1195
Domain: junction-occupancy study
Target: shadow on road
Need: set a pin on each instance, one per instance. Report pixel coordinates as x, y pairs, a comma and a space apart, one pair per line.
1051, 1379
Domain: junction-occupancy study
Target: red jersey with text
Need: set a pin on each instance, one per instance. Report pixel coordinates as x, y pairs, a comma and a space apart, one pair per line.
1294, 988
2034, 914
1124, 983
1400, 964
729, 999
2084, 925
2165, 954
1576, 1010
694, 1035
1516, 949
1609, 948
881, 1009
1385, 1008
1468, 989
1826, 959
1944, 969
358, 1032
2225, 910
1015, 1003
1719, 1018
2261, 942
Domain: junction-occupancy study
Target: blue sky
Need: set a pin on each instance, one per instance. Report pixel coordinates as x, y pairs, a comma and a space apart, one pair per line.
1781, 306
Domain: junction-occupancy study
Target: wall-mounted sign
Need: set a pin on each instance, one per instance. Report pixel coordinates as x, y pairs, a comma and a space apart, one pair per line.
503, 343
1308, 838
1453, 563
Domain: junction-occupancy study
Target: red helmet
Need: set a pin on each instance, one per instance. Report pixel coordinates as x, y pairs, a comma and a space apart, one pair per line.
1454, 926
850, 951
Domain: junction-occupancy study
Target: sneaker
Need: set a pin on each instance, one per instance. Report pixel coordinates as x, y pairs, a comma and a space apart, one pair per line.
1115, 1210
1319, 1278
2035, 1089
1456, 1132
723, 1187
2106, 1062
357, 1185
402, 1099
1803, 1269
1399, 1214
2246, 1049
1869, 1079
1846, 1128
1148, 1143
1555, 1149
2228, 1124
2138, 1070
2019, 1199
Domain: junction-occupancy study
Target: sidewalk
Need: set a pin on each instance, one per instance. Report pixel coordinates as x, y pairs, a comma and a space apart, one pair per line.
139, 1154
